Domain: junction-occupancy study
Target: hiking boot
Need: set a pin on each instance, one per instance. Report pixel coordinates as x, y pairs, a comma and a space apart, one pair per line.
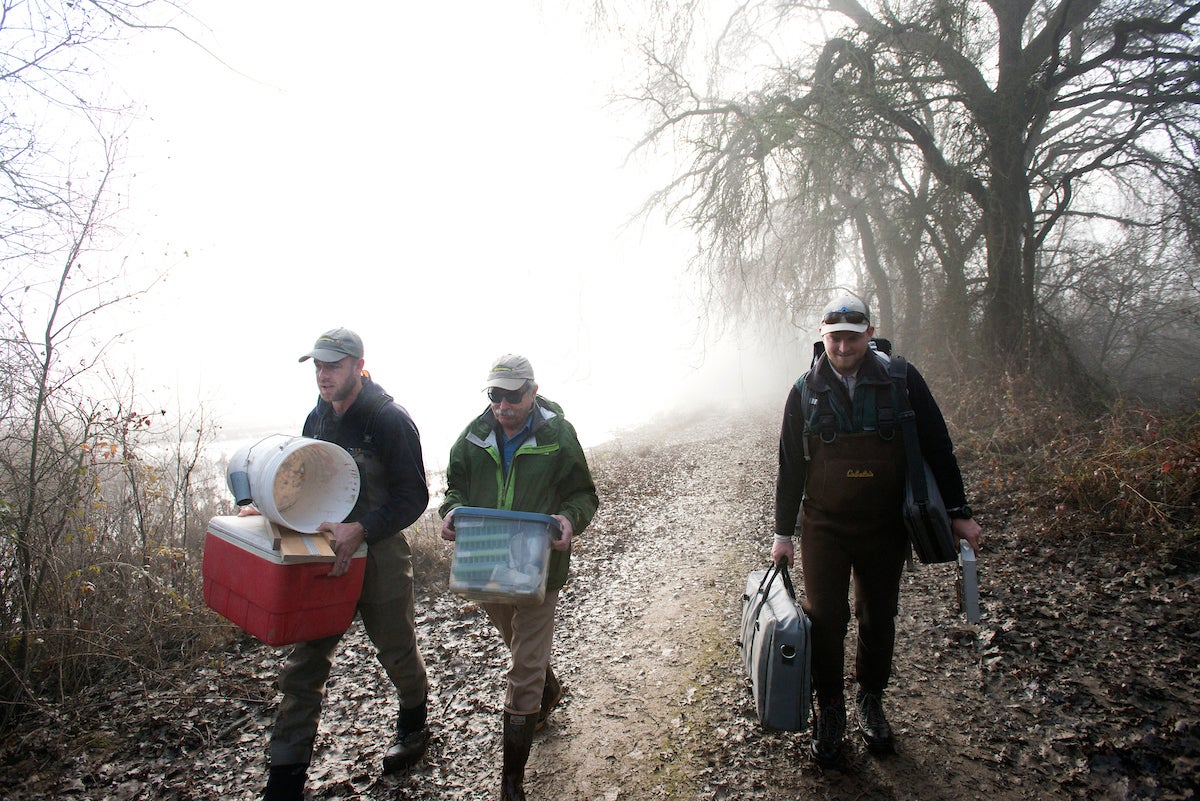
828, 732
285, 783
551, 695
872, 724
412, 738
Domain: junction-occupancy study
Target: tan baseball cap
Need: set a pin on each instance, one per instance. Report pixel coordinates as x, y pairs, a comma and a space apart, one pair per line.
510, 372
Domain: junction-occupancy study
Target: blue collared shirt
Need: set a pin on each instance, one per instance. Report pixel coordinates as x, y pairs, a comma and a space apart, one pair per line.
509, 446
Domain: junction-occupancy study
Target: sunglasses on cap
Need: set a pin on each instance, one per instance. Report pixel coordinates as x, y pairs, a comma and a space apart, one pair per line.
496, 395
852, 317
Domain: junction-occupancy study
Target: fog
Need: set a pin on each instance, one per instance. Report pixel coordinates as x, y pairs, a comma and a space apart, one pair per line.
451, 181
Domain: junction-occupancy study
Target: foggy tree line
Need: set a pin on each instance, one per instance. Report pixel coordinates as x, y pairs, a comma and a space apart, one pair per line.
1012, 182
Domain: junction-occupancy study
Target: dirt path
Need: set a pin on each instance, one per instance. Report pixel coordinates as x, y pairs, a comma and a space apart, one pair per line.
649, 615
1079, 684
660, 709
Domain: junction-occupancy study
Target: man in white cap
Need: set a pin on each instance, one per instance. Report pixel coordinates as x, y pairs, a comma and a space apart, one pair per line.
841, 484
522, 454
355, 412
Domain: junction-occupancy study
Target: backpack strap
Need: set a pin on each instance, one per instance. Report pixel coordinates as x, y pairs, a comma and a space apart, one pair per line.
898, 372
826, 420
369, 428
885, 410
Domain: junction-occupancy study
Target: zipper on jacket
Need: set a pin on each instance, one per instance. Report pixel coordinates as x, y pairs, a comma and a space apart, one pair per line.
508, 484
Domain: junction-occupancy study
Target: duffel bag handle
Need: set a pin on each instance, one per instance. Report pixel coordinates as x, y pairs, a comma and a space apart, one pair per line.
780, 568
787, 579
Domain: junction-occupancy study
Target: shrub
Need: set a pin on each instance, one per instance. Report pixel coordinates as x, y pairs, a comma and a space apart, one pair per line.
1137, 471
1131, 471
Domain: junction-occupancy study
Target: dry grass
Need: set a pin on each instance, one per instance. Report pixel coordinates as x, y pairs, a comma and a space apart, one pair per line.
1132, 471
431, 554
1135, 470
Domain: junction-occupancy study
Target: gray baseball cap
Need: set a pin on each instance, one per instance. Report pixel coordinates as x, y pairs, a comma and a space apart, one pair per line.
335, 345
510, 372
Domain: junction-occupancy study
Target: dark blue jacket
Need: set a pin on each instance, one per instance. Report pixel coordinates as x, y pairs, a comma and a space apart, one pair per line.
385, 445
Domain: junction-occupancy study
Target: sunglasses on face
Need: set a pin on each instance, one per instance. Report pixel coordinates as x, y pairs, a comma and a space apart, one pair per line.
496, 395
854, 318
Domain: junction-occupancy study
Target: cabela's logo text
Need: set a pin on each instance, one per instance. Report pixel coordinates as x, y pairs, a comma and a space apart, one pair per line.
860, 474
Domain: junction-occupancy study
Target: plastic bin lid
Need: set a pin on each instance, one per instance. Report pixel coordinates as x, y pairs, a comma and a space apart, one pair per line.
507, 514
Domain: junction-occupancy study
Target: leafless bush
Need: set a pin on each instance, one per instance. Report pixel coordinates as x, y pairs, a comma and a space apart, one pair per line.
1006, 417
105, 557
1133, 471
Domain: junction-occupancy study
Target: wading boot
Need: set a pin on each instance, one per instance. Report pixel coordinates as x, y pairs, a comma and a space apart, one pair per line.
828, 731
412, 738
872, 724
285, 783
518, 738
551, 695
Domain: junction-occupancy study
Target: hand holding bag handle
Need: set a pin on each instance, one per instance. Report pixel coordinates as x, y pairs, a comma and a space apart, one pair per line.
780, 568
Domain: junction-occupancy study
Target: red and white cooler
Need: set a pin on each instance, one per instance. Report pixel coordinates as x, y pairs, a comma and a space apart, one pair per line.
276, 585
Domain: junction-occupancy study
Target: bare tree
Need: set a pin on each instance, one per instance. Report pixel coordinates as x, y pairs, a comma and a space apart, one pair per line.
46, 429
1026, 113
60, 143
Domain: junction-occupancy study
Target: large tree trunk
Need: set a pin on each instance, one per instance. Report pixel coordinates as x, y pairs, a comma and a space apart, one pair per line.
1007, 221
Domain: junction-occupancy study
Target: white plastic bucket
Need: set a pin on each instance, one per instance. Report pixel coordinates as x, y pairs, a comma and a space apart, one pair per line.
297, 482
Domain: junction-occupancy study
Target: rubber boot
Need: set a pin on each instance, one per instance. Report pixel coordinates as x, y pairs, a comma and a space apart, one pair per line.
286, 783
551, 695
518, 738
412, 738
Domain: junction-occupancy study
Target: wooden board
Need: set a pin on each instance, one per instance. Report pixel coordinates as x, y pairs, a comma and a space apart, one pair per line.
295, 547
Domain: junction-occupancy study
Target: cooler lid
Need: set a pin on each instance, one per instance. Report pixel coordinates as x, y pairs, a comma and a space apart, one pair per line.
252, 532
258, 534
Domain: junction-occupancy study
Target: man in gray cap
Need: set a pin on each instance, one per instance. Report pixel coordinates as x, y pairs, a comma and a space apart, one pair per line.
842, 463
354, 412
522, 454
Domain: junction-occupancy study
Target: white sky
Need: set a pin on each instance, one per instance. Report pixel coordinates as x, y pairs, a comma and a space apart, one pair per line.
446, 179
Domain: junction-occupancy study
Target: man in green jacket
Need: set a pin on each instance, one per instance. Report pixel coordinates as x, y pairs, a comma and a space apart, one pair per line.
522, 454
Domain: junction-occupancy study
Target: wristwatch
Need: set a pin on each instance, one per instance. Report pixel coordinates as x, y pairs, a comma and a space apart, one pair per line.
960, 512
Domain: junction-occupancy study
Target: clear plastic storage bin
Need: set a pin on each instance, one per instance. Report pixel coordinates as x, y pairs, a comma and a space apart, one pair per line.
501, 555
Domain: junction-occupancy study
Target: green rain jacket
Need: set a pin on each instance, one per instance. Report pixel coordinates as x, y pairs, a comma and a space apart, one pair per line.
549, 475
